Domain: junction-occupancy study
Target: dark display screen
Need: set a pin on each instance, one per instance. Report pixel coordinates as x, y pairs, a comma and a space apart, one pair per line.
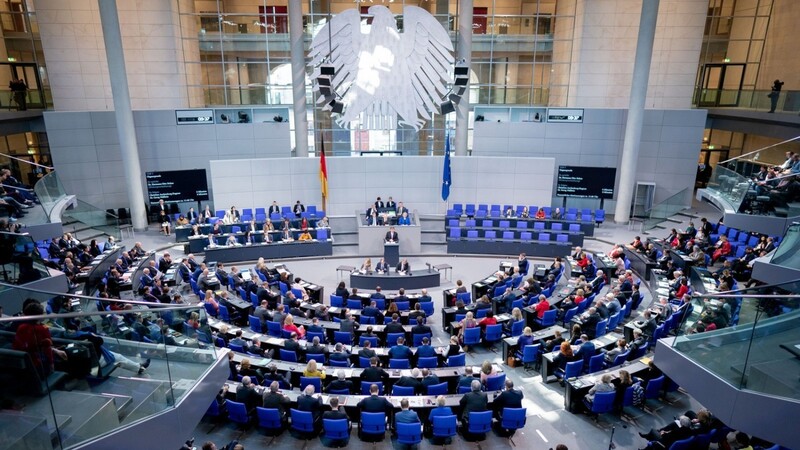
177, 186
586, 182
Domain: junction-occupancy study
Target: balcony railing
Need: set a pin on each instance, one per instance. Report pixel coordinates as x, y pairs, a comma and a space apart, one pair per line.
103, 385
788, 101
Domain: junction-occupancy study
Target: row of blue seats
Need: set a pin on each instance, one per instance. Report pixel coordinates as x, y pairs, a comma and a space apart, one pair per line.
485, 210
372, 426
489, 235
520, 225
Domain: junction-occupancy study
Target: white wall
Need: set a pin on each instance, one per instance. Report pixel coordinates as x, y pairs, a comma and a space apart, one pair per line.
354, 182
87, 157
668, 150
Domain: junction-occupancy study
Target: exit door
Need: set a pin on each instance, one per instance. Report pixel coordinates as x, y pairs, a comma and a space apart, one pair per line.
721, 84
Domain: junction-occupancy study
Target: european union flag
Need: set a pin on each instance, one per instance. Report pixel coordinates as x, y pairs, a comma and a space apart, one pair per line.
446, 180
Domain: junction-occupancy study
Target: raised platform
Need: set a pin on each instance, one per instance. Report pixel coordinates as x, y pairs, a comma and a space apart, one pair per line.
480, 247
269, 251
392, 281
370, 238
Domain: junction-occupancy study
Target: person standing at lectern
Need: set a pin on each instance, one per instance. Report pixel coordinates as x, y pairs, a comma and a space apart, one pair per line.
391, 236
403, 267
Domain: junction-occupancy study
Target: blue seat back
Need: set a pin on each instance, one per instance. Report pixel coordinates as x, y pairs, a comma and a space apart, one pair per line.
399, 364
530, 353
343, 336
403, 390
601, 328
289, 356
318, 357
573, 369
366, 384
457, 360
237, 412
373, 423
517, 327
429, 362
339, 363
513, 418
274, 329
391, 338
269, 418
302, 421
255, 324
496, 382
653, 388
363, 362
314, 381
683, 444
438, 389
480, 422
472, 336
335, 429
373, 340
409, 433
596, 363
493, 333
444, 426
312, 334
603, 402
337, 301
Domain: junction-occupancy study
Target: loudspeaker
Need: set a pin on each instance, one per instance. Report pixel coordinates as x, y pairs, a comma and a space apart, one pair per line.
462, 71
461, 80
336, 107
326, 69
454, 98
446, 108
325, 91
324, 80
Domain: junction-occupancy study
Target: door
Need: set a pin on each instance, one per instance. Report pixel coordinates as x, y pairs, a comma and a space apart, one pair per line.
721, 84
276, 19
480, 18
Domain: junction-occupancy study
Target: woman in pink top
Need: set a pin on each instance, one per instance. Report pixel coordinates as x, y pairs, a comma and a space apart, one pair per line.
288, 325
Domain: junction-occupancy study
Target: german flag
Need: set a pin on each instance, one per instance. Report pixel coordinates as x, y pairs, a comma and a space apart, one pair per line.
323, 172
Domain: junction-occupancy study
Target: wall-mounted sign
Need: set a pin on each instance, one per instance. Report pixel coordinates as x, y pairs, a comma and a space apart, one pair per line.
194, 116
572, 115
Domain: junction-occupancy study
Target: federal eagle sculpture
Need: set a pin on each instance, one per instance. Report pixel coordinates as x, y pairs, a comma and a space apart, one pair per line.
382, 77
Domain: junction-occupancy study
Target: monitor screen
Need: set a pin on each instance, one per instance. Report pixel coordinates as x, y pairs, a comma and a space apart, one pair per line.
177, 186
586, 182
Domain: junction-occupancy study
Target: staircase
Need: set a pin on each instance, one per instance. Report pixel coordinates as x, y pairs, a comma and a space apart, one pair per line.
433, 234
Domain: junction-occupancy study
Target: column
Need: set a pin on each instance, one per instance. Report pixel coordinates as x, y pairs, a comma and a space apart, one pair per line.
633, 126
123, 113
298, 78
464, 52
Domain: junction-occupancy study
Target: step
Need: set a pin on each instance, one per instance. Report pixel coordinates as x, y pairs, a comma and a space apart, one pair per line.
80, 415
144, 397
23, 430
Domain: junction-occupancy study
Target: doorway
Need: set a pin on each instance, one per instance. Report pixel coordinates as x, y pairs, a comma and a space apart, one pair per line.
29, 73
720, 85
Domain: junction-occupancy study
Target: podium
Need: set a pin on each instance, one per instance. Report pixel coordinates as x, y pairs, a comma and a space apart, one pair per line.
391, 253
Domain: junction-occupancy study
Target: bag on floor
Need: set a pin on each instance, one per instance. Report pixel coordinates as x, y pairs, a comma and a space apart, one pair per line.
79, 361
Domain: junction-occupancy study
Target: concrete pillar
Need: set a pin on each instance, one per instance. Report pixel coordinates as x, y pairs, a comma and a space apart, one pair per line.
464, 52
633, 126
298, 78
112, 38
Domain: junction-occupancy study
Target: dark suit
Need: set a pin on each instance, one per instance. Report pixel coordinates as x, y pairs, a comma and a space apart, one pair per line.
248, 396
507, 399
366, 353
425, 351
406, 381
373, 374
407, 416
375, 404
403, 267
420, 329
339, 385
394, 327
472, 402
400, 352
348, 326
293, 346
391, 236
274, 209
277, 401
339, 356
381, 268
311, 404
430, 380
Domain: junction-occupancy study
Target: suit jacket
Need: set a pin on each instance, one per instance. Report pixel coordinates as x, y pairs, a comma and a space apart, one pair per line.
335, 415
394, 327
348, 325
381, 267
430, 380
407, 416
403, 267
338, 385
274, 209
400, 352
425, 351
277, 401
372, 374
508, 399
248, 396
375, 404
366, 353
406, 381
316, 350
421, 329
473, 401
391, 236
310, 403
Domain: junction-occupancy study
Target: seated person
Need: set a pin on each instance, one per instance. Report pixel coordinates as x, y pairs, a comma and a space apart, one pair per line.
412, 381
403, 267
304, 236
404, 219
405, 415
540, 214
341, 383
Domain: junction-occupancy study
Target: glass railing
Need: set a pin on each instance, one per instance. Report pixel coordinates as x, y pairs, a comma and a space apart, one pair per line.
756, 339
788, 101
50, 192
729, 185
121, 366
95, 218
20, 259
667, 208
788, 253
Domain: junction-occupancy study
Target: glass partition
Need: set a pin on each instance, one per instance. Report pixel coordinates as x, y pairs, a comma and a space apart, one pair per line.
788, 253
667, 208
50, 191
729, 185
81, 367
756, 343
96, 218
20, 261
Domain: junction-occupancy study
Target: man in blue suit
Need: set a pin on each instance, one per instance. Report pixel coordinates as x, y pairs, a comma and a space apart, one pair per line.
400, 351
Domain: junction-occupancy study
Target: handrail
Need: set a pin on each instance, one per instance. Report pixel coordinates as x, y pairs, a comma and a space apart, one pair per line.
761, 149
16, 187
97, 313
733, 292
26, 161
87, 297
